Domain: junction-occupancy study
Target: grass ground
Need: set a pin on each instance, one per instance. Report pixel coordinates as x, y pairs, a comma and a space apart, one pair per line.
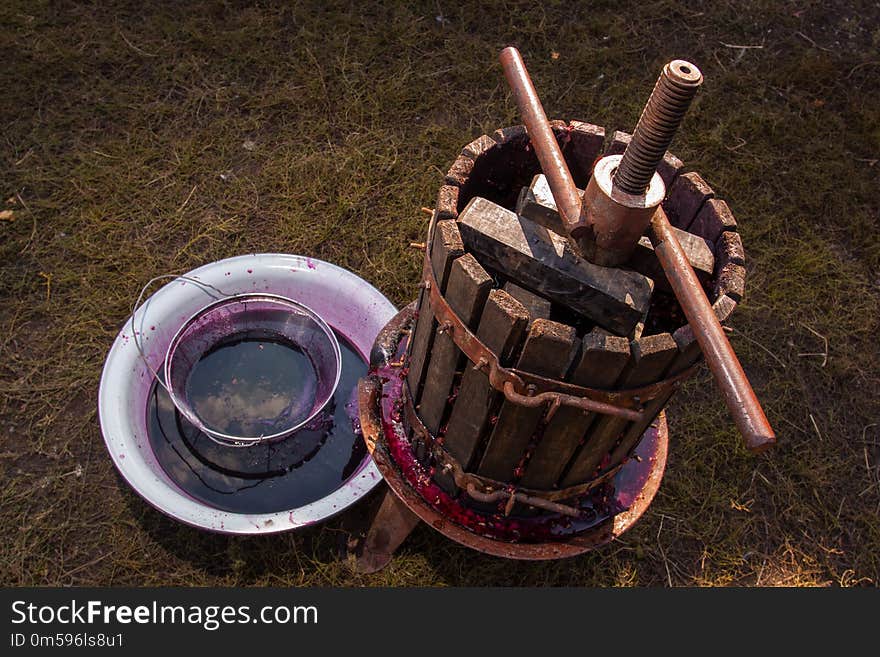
140, 138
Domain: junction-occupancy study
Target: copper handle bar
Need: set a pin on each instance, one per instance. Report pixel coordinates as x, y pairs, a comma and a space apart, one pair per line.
541, 135
722, 361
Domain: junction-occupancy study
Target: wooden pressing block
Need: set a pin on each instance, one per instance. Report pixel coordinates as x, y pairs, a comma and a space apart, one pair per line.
546, 263
697, 250
537, 307
536, 203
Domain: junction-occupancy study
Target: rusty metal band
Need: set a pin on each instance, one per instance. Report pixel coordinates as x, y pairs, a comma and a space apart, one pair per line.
526, 389
485, 486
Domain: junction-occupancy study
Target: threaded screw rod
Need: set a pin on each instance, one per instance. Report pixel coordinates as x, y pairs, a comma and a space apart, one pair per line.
669, 101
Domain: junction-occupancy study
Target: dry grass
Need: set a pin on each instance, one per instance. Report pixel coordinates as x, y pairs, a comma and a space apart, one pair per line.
144, 138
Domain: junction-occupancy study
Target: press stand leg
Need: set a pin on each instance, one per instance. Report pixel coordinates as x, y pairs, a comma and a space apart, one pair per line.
390, 526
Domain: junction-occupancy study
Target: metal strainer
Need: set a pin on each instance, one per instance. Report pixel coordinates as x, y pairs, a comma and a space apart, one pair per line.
253, 417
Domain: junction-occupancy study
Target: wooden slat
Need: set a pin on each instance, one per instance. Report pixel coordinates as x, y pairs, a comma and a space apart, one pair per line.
619, 141
446, 247
466, 293
502, 327
651, 355
731, 281
599, 365
536, 202
543, 261
460, 171
478, 146
509, 134
685, 198
639, 328
547, 352
713, 219
669, 168
723, 307
731, 259
688, 351
729, 248
447, 202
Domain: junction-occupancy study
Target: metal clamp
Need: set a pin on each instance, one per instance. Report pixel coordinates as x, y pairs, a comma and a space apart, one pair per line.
514, 496
556, 399
448, 464
527, 389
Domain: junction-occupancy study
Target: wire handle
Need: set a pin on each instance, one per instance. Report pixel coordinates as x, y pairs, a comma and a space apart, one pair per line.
137, 303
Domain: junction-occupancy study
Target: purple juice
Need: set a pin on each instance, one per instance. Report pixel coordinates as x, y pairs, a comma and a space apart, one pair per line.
252, 385
302, 468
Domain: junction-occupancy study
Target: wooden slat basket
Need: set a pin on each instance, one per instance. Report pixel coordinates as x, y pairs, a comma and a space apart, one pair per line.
516, 449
